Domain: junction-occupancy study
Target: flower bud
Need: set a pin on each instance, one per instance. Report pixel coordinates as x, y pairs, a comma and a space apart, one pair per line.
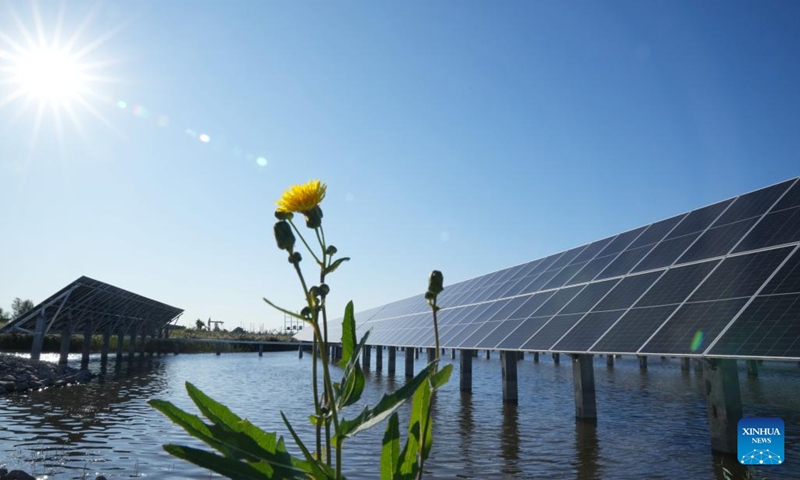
435, 283
331, 250
284, 236
314, 291
324, 289
295, 258
313, 217
305, 312
283, 215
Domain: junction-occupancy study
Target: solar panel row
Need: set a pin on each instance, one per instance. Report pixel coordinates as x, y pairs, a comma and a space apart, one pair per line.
720, 280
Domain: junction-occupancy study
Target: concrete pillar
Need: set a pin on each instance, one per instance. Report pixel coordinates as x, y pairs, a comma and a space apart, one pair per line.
87, 345
106, 342
686, 364
132, 342
610, 361
66, 336
416, 352
431, 354
642, 362
218, 348
724, 403
583, 383
488, 354
299, 351
535, 357
378, 358
556, 359
260, 350
465, 370
365, 360
38, 336
120, 341
143, 341
520, 355
452, 354
390, 369
509, 362
752, 368
409, 362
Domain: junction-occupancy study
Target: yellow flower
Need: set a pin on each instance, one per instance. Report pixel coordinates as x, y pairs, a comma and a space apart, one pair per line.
302, 198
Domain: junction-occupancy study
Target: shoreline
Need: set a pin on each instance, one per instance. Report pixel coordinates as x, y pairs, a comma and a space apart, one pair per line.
20, 374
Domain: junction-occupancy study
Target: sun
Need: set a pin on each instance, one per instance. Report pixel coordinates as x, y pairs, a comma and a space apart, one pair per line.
46, 67
48, 74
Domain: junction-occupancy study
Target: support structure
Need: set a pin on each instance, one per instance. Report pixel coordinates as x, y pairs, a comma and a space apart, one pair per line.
686, 364
66, 336
488, 354
724, 403
410, 362
365, 360
610, 361
642, 362
38, 336
87, 345
752, 368
535, 357
299, 351
390, 369
465, 370
218, 348
378, 358
556, 358
452, 354
106, 343
132, 342
509, 362
520, 355
260, 350
416, 352
431, 354
583, 383
143, 340
120, 341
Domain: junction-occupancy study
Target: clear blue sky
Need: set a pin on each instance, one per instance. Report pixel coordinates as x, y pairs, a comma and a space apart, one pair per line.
464, 136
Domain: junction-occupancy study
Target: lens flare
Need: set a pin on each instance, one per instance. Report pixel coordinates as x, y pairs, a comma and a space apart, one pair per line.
697, 341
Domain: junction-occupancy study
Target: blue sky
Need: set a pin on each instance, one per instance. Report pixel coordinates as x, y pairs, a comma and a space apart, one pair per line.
461, 136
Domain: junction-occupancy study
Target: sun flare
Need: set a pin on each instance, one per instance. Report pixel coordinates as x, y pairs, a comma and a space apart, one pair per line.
48, 74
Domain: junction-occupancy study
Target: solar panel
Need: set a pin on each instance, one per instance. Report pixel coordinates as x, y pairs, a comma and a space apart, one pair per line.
666, 252
625, 262
676, 284
587, 331
552, 331
774, 229
693, 326
699, 220
720, 280
589, 296
753, 204
717, 241
768, 327
633, 329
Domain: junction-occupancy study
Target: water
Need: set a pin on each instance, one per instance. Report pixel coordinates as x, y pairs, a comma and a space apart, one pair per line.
650, 424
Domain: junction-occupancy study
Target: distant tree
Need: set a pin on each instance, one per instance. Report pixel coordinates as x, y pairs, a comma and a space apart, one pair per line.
4, 316
200, 325
21, 307
238, 331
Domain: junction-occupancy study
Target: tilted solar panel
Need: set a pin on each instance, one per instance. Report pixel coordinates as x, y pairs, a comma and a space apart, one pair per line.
721, 280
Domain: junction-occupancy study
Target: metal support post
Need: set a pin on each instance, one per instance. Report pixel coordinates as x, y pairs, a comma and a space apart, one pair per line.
583, 382
509, 362
409, 362
390, 368
465, 370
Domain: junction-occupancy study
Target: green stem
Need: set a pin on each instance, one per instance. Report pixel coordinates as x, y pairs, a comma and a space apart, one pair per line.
332, 404
436, 368
304, 240
314, 375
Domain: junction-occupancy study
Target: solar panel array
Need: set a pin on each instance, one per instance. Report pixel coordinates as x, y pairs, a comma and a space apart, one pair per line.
722, 280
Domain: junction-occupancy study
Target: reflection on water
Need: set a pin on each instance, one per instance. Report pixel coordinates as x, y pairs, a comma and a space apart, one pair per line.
650, 424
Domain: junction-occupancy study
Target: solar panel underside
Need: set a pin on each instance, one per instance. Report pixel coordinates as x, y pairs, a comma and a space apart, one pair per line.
722, 280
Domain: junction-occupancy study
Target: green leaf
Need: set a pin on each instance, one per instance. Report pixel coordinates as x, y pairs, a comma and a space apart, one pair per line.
319, 469
390, 453
441, 377
224, 466
333, 266
348, 334
349, 390
253, 446
386, 406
